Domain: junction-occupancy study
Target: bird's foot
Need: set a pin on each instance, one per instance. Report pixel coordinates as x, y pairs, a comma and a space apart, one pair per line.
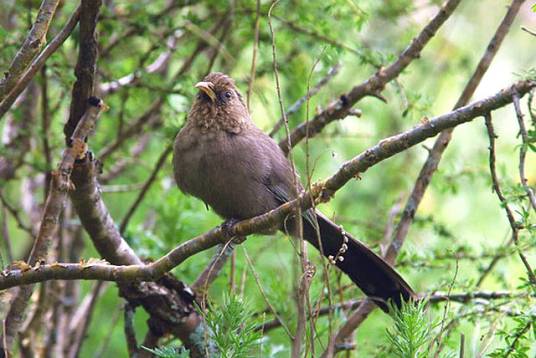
228, 227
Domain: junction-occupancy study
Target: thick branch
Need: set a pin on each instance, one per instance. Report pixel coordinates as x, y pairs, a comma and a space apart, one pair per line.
86, 64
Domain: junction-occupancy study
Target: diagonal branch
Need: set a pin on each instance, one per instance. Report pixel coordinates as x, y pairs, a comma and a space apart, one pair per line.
374, 85
86, 64
432, 162
31, 46
523, 153
54, 204
504, 203
38, 63
320, 192
297, 105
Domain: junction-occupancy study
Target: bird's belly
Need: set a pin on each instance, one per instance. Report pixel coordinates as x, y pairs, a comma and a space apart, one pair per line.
225, 178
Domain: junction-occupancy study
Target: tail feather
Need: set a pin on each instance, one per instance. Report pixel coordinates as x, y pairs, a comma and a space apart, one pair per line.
375, 277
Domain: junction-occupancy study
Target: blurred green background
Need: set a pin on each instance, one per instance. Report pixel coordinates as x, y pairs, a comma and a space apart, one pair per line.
460, 215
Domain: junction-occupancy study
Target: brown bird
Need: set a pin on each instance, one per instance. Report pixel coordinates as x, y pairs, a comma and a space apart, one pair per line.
222, 158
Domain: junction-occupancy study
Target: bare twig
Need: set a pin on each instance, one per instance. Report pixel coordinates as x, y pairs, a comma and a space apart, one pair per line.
504, 203
5, 237
310, 93
478, 297
266, 300
252, 72
211, 272
38, 62
134, 29
433, 159
130, 334
159, 164
78, 332
301, 286
528, 31
131, 79
31, 46
15, 213
53, 207
375, 84
523, 152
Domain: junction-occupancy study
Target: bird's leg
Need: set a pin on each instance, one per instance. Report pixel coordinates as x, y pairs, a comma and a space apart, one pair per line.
228, 227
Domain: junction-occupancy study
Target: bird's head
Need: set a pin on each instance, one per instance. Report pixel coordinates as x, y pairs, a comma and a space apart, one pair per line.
218, 103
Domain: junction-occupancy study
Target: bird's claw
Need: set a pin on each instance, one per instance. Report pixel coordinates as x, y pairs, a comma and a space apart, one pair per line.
228, 226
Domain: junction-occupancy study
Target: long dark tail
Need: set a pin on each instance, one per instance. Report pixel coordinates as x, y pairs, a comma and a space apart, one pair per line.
375, 277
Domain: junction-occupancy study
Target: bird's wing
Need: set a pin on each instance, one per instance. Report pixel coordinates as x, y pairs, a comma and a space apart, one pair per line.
282, 189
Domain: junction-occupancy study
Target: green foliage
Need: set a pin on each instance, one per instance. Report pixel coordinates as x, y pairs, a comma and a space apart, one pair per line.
411, 334
169, 352
232, 327
517, 338
458, 222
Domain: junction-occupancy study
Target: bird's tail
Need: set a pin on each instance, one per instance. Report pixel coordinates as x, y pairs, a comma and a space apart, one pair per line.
375, 277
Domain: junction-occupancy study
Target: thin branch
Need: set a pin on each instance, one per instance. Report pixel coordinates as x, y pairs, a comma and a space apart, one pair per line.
301, 295
6, 238
432, 162
131, 79
134, 29
53, 207
159, 164
316, 35
321, 192
375, 84
513, 344
478, 297
265, 297
523, 153
15, 213
130, 333
252, 72
504, 203
30, 48
79, 332
212, 270
528, 31
310, 93
38, 62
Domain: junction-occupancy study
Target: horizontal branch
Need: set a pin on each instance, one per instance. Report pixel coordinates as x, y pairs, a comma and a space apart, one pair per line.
434, 298
321, 192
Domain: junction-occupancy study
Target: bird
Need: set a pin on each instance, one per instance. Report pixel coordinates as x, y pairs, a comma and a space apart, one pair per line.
221, 157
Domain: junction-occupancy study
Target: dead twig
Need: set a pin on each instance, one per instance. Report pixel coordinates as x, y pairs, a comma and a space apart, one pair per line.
504, 203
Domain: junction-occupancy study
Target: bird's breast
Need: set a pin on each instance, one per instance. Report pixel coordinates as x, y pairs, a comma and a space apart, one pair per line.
224, 170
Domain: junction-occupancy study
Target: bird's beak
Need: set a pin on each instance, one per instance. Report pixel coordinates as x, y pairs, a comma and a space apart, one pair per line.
207, 88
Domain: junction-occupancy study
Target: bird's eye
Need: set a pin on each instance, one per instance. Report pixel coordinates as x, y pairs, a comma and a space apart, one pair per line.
228, 94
